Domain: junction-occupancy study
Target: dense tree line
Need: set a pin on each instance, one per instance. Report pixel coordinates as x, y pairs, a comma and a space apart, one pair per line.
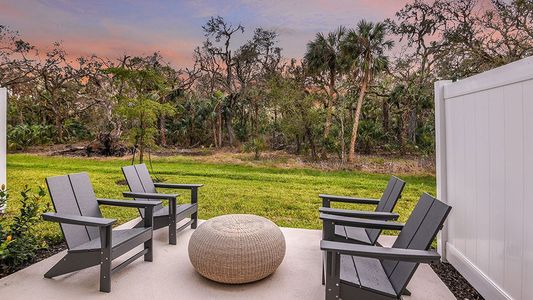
368, 88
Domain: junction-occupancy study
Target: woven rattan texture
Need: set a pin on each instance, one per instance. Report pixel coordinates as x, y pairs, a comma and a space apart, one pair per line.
237, 248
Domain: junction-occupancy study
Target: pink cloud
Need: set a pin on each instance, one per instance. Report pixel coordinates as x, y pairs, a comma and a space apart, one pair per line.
112, 48
108, 38
8, 9
174, 28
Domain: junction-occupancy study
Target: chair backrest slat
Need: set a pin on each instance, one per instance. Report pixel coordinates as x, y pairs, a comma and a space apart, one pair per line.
139, 181
83, 190
65, 202
386, 193
132, 179
145, 178
388, 201
418, 233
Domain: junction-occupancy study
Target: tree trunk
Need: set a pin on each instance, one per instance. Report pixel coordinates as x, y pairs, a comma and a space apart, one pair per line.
385, 121
141, 139
357, 115
404, 132
141, 153
215, 136
311, 143
256, 119
59, 128
192, 134
228, 118
163, 131
331, 103
412, 126
329, 114
141, 149
343, 143
219, 126
298, 145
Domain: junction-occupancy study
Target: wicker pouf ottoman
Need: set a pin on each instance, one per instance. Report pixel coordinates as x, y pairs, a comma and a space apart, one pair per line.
236, 248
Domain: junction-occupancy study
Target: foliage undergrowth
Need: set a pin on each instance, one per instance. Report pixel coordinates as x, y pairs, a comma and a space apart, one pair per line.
18, 238
22, 136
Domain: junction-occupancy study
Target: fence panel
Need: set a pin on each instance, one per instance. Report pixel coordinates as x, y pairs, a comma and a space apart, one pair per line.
485, 171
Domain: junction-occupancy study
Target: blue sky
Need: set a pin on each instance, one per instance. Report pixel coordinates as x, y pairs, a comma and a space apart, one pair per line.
111, 28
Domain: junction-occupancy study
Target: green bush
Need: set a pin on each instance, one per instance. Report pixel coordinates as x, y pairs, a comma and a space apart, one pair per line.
370, 136
19, 240
426, 138
3, 195
255, 145
22, 136
75, 131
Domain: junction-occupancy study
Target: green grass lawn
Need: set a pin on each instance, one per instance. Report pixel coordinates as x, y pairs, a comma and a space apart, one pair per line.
289, 197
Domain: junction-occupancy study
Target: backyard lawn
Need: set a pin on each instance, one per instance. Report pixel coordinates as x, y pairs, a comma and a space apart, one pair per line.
289, 197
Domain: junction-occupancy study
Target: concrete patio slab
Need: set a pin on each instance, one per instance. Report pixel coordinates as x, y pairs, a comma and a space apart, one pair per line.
171, 276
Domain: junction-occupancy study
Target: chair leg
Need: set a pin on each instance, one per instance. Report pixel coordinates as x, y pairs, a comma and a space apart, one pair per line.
328, 233
172, 225
333, 276
105, 259
105, 277
149, 245
73, 262
323, 271
323, 275
194, 216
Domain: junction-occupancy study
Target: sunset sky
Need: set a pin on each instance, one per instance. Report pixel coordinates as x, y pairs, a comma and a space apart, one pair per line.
111, 28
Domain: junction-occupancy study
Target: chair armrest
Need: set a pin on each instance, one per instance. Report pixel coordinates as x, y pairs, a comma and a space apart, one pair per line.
374, 215
77, 220
407, 255
128, 203
158, 196
362, 223
184, 186
335, 198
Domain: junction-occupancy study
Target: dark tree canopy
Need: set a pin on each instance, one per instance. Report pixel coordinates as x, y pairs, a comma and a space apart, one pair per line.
362, 88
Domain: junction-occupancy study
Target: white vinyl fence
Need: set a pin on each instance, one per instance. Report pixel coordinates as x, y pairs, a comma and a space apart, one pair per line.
3, 136
485, 172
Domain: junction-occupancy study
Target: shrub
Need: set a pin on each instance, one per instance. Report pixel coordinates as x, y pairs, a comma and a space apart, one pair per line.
370, 136
75, 131
21, 136
255, 145
3, 195
4, 241
19, 241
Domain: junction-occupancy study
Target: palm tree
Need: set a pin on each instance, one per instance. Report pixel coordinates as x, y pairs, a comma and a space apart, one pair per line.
365, 47
324, 56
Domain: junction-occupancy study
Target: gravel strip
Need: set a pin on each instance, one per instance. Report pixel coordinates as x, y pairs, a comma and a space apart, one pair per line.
457, 284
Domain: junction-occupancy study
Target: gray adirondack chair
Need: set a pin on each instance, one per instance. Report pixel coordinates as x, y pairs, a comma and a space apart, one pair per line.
90, 238
143, 188
369, 272
383, 211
